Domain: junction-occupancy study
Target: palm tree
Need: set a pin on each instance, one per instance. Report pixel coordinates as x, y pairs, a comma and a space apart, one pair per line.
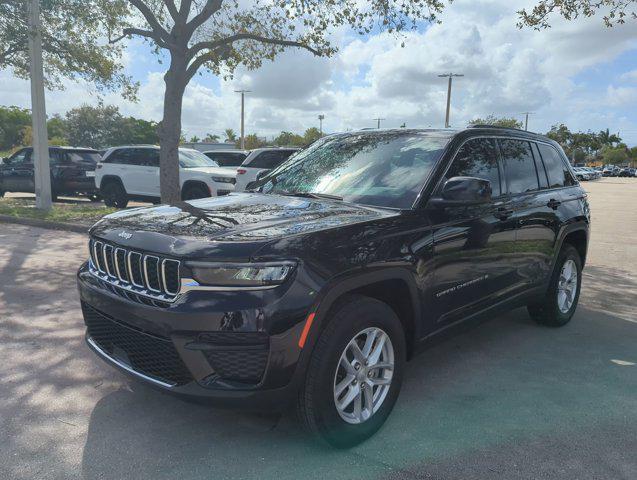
607, 138
211, 138
231, 137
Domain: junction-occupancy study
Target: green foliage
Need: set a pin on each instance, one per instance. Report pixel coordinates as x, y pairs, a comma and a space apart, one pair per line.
74, 42
497, 121
253, 141
311, 135
583, 146
211, 138
615, 155
104, 126
230, 135
615, 11
288, 139
13, 121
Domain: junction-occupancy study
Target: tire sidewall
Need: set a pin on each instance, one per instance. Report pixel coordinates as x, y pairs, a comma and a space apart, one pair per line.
114, 195
568, 253
353, 319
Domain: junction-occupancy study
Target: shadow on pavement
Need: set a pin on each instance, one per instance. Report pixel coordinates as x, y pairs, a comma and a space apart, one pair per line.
549, 395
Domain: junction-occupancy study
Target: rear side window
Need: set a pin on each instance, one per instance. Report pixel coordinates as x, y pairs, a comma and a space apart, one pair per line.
227, 159
556, 170
478, 158
270, 159
80, 156
147, 157
121, 156
519, 166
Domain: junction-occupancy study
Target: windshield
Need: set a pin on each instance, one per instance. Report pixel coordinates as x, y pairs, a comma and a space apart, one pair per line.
194, 159
385, 169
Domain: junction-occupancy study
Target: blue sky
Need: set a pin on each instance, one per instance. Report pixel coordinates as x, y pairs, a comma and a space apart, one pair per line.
579, 73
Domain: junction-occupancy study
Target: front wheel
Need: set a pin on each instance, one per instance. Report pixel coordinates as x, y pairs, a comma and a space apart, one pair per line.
194, 192
560, 301
114, 195
355, 373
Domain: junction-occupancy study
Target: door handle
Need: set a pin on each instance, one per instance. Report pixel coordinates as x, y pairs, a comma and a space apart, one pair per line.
503, 213
553, 204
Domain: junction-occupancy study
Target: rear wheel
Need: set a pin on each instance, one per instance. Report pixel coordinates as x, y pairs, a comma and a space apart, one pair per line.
560, 301
355, 373
193, 192
114, 195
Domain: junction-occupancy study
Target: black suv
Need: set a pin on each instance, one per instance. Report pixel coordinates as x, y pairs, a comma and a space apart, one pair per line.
72, 172
317, 285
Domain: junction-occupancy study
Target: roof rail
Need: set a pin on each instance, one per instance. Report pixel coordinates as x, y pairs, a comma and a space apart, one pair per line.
485, 125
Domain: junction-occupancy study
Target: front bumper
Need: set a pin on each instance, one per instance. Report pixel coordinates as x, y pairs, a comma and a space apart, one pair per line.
227, 348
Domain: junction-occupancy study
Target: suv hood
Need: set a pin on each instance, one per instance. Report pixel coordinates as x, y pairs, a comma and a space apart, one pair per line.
237, 218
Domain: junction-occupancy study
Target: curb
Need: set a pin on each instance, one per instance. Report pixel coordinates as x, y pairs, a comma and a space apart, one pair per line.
34, 222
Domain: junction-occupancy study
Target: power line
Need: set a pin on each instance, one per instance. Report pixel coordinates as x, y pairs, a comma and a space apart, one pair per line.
450, 76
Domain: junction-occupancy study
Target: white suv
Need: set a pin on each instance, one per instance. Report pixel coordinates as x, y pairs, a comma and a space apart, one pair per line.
259, 162
132, 173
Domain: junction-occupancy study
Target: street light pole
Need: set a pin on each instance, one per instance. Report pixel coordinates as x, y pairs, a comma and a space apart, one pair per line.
378, 120
243, 138
321, 118
526, 119
450, 76
42, 175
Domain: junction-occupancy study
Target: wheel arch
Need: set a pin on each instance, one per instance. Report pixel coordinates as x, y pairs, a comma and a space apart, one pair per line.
577, 236
106, 179
394, 287
194, 183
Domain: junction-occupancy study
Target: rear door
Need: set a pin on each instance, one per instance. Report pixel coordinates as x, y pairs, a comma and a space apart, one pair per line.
532, 203
10, 181
472, 244
22, 175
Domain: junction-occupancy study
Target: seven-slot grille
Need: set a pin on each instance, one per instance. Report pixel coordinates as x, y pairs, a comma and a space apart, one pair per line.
145, 274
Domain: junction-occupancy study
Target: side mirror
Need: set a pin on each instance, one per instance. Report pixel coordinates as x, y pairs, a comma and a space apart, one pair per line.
459, 191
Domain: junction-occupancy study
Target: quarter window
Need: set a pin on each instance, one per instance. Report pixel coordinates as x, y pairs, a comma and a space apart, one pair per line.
519, 166
478, 158
556, 170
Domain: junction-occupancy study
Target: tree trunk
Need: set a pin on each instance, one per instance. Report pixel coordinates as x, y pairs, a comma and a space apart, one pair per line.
170, 131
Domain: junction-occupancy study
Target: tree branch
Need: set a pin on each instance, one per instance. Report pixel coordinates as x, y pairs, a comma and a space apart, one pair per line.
172, 9
152, 21
211, 7
127, 32
192, 51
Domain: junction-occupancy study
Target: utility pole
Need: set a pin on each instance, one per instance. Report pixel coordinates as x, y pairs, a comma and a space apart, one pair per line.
526, 120
38, 112
243, 137
321, 117
450, 76
378, 120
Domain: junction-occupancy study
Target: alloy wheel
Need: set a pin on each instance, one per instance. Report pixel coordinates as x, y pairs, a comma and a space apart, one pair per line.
567, 286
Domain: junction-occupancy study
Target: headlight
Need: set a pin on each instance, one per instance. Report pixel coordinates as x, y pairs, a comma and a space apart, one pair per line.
241, 275
223, 179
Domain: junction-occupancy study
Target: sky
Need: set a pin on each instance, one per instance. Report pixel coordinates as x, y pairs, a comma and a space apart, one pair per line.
579, 73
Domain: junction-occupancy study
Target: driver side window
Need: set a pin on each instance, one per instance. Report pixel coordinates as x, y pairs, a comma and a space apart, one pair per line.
478, 158
21, 157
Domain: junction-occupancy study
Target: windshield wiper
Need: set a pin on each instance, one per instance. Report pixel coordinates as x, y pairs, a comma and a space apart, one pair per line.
311, 195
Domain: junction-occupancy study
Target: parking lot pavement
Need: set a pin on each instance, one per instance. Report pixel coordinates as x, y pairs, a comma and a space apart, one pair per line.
506, 400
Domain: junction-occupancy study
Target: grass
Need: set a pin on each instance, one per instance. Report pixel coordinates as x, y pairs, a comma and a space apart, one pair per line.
82, 213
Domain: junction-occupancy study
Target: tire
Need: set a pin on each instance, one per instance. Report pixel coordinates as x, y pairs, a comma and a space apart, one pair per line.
193, 192
552, 311
114, 195
316, 405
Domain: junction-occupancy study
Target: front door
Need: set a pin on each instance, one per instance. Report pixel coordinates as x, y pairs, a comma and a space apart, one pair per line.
472, 244
21, 174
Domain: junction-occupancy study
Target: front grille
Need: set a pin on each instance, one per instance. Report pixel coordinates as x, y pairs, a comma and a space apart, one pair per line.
240, 357
143, 274
150, 355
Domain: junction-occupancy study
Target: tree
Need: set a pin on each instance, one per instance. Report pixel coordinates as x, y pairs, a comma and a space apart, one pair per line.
617, 11
13, 120
220, 35
231, 136
311, 135
253, 141
607, 138
194, 139
212, 138
615, 156
288, 139
497, 121
73, 33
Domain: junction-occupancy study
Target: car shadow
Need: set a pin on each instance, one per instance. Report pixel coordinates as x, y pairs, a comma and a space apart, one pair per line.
506, 382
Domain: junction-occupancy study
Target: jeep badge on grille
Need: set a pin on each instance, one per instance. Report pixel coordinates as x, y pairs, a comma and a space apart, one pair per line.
125, 234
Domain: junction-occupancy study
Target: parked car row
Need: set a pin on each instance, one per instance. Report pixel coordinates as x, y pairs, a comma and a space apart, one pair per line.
587, 173
131, 172
615, 171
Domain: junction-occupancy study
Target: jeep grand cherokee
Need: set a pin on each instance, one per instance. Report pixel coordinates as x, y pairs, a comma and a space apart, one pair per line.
315, 287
